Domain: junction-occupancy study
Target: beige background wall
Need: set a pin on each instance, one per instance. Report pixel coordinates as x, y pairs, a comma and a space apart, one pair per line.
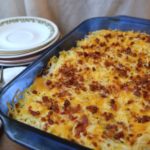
68, 13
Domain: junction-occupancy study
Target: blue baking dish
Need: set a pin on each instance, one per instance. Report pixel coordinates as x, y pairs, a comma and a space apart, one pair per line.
30, 136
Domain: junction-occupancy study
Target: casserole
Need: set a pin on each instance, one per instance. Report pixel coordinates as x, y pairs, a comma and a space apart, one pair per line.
13, 128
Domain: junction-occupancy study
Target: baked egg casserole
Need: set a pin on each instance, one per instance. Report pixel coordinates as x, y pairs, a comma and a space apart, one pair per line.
96, 94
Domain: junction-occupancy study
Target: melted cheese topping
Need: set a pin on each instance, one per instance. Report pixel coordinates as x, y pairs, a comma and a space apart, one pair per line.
96, 94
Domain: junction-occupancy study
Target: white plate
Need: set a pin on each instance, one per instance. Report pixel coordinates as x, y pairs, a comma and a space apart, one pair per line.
24, 33
34, 51
15, 65
19, 62
16, 61
14, 53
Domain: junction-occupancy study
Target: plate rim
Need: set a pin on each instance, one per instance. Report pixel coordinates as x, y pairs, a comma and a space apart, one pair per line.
33, 19
33, 51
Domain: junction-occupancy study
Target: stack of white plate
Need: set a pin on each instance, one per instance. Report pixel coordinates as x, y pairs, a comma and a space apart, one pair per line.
23, 39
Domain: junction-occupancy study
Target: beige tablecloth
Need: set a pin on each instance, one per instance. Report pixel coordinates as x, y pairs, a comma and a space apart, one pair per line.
7, 144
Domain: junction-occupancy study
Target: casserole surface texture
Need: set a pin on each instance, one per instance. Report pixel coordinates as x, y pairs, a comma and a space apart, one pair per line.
95, 94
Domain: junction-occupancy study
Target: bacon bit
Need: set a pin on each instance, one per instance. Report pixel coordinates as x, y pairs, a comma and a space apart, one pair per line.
113, 104
122, 71
137, 92
148, 65
115, 77
119, 54
87, 68
92, 46
77, 91
143, 38
63, 93
148, 39
71, 110
40, 102
83, 88
110, 130
81, 126
128, 51
34, 113
80, 61
49, 114
130, 38
131, 135
76, 109
84, 46
140, 63
112, 127
94, 86
67, 107
122, 40
132, 43
146, 107
126, 87
107, 116
34, 92
67, 71
142, 81
109, 63
113, 88
97, 40
95, 144
115, 44
119, 135
120, 35
107, 36
134, 54
90, 137
148, 142
92, 108
122, 125
45, 128
85, 54
93, 68
48, 82
130, 102
131, 138
50, 121
43, 119
45, 99
84, 120
17, 105
71, 117
102, 44
143, 119
66, 103
62, 121
84, 133
79, 129
146, 95
95, 55
80, 78
55, 107
51, 74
